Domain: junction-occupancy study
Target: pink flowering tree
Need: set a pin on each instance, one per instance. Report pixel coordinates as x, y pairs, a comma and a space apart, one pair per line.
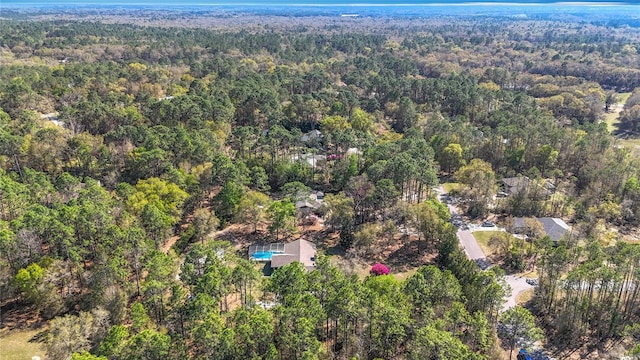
379, 269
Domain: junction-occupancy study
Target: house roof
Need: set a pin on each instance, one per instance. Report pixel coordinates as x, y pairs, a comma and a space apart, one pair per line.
311, 159
313, 134
300, 250
555, 228
516, 184
307, 204
316, 196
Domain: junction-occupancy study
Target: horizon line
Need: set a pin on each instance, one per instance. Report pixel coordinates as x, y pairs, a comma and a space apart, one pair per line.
213, 3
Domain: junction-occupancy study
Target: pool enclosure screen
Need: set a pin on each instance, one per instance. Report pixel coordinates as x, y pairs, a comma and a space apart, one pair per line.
264, 252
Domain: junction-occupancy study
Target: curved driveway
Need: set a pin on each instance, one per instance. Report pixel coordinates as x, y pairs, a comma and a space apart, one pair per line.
474, 252
518, 284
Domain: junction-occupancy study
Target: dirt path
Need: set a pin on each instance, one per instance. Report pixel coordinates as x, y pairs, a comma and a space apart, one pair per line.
169, 243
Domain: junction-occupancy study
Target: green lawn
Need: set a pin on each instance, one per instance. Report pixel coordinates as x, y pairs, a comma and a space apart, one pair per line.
483, 237
18, 344
449, 187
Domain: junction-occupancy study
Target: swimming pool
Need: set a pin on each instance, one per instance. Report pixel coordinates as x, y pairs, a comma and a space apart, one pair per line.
264, 255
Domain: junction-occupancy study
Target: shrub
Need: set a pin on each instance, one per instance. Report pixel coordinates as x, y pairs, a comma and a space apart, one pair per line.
379, 269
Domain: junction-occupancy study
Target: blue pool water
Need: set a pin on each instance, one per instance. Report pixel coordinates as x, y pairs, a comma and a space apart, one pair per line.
263, 255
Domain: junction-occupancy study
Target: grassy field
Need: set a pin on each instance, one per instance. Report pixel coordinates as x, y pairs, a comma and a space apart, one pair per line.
632, 144
623, 97
483, 237
18, 344
611, 119
524, 297
448, 187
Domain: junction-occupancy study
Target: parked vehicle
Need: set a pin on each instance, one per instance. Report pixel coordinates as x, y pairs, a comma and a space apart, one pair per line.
488, 224
483, 263
523, 355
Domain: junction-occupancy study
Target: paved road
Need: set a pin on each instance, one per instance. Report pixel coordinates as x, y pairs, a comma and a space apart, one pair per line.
470, 245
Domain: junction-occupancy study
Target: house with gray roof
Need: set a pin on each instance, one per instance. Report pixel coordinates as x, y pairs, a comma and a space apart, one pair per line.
307, 207
516, 185
300, 250
555, 228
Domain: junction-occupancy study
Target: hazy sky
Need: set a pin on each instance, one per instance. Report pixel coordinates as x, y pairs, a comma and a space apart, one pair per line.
288, 2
